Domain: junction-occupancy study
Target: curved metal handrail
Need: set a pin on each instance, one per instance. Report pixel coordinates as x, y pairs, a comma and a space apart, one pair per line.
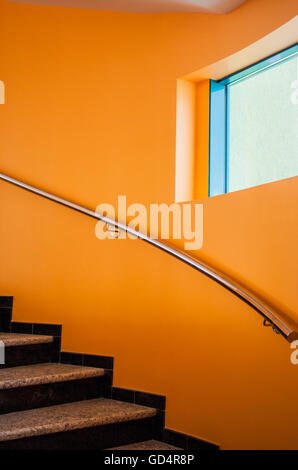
277, 321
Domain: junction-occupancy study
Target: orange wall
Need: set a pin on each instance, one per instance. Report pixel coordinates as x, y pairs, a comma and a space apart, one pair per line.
90, 114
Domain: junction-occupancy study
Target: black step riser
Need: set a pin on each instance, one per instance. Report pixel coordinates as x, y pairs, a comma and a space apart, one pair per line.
38, 396
95, 438
30, 354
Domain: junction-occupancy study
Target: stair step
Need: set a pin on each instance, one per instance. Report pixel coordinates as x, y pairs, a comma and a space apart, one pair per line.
147, 445
45, 373
24, 349
18, 339
47, 384
69, 417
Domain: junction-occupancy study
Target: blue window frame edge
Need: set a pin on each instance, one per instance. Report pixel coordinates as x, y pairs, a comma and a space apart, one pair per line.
218, 139
219, 118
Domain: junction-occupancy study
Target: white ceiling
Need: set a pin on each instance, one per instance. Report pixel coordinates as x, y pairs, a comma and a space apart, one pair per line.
147, 6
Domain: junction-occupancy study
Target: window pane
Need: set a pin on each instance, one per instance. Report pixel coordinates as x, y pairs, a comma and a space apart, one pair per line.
263, 141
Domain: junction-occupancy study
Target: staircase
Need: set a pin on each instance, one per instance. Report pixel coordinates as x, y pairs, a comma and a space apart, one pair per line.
49, 405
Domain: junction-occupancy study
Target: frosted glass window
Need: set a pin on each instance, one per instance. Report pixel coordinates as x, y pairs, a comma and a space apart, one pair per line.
263, 127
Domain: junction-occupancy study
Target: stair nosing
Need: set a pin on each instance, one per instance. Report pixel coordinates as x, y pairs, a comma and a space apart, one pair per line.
24, 339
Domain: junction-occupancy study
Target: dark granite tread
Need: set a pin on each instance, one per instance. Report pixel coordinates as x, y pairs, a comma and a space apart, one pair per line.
45, 373
70, 416
147, 445
17, 339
